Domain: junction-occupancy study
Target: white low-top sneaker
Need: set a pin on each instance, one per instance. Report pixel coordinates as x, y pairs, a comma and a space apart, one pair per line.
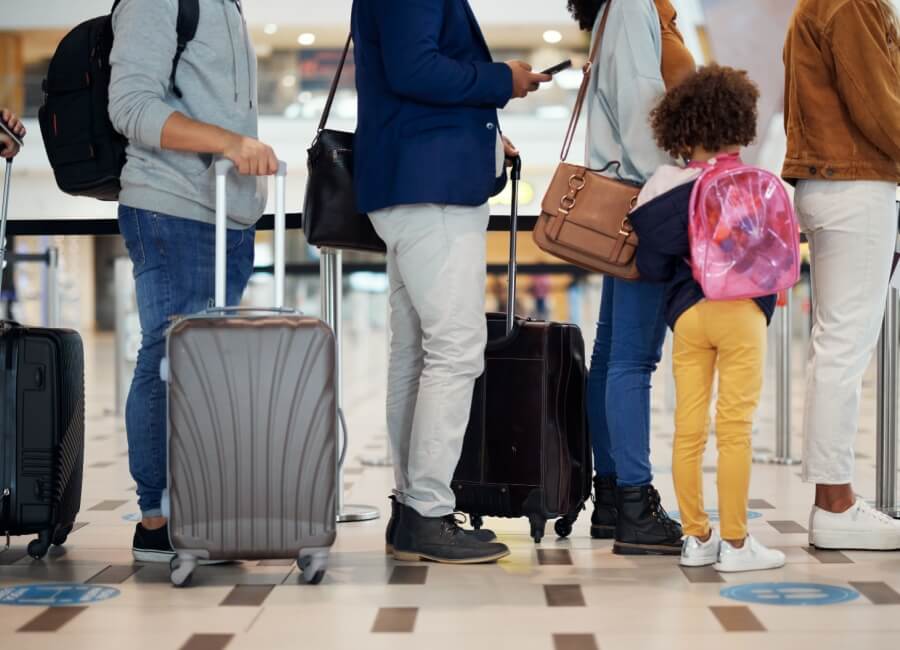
752, 556
695, 553
860, 528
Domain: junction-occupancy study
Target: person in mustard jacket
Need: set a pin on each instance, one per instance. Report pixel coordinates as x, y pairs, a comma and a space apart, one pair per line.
842, 115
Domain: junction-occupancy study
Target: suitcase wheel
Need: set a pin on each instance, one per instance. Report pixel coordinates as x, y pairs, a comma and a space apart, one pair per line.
38, 548
313, 564
477, 522
563, 526
61, 535
182, 570
538, 526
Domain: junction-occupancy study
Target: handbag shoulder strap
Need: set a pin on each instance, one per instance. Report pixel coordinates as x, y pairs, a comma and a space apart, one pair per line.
585, 82
334, 85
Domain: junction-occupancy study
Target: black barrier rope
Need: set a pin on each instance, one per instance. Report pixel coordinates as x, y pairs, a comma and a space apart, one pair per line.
39, 227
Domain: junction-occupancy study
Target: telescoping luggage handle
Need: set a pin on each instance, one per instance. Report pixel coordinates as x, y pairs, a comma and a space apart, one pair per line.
7, 178
515, 175
222, 169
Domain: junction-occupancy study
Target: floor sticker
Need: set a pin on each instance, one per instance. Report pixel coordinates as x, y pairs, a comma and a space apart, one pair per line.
56, 595
794, 594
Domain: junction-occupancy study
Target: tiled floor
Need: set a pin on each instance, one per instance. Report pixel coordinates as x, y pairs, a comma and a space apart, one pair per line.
565, 594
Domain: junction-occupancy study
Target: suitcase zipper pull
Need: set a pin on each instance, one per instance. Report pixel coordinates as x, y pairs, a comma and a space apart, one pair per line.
6, 494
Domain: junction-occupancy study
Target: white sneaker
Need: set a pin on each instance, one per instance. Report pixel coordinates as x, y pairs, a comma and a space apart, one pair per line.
860, 528
695, 553
752, 556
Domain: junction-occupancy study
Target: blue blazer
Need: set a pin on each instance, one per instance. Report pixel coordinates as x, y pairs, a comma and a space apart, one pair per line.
428, 94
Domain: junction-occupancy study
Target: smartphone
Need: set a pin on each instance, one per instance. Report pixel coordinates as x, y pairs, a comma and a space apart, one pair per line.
16, 139
559, 67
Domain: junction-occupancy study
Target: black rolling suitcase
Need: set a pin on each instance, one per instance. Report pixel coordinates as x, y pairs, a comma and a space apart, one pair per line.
527, 450
42, 430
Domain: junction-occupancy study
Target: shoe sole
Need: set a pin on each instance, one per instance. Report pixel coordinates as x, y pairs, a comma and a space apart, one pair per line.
152, 557
144, 556
769, 567
851, 542
404, 556
696, 564
624, 548
603, 532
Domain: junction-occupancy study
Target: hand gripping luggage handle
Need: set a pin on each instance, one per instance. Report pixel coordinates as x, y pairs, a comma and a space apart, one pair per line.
4, 212
515, 176
222, 169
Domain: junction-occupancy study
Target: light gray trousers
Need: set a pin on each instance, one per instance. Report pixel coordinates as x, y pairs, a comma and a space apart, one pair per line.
436, 262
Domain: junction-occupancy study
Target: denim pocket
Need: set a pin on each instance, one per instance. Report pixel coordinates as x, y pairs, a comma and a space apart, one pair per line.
130, 227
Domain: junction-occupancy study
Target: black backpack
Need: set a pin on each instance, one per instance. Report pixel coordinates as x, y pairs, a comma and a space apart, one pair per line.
85, 151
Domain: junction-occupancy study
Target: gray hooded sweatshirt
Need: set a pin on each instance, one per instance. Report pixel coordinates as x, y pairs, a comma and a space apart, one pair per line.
217, 78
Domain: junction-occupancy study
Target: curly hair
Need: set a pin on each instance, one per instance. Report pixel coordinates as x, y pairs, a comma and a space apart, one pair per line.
585, 12
714, 108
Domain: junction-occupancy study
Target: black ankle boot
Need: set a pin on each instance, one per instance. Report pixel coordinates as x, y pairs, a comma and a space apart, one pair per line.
604, 517
392, 526
482, 534
440, 539
644, 527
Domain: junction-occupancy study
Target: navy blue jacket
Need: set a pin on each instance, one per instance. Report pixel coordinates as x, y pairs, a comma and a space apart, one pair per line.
428, 98
663, 249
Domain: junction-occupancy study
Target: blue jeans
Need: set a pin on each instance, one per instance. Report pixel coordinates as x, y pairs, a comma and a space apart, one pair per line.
174, 274
630, 336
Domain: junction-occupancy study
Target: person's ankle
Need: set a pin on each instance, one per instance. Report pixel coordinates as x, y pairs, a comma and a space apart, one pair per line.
737, 543
154, 523
705, 538
835, 498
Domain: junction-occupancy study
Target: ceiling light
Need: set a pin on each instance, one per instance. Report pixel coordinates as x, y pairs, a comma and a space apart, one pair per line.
306, 38
289, 81
552, 36
270, 29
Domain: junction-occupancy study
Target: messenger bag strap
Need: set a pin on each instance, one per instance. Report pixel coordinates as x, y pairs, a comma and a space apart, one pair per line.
585, 83
334, 85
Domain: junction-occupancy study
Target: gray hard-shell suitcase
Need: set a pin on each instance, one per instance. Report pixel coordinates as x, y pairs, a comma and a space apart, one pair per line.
252, 426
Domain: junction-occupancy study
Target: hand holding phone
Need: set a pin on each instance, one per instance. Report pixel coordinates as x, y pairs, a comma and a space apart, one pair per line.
524, 80
11, 134
559, 67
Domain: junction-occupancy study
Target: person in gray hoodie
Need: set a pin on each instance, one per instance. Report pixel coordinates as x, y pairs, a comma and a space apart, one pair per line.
176, 130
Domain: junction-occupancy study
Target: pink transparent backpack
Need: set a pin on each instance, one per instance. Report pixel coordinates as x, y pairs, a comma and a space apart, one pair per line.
743, 231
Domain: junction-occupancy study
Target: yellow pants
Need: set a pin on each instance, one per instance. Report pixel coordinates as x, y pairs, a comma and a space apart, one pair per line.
731, 337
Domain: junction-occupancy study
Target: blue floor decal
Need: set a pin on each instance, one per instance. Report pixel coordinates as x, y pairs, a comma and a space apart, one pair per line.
792, 594
56, 595
714, 515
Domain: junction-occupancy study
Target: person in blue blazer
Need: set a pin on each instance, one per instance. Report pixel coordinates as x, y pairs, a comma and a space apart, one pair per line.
428, 156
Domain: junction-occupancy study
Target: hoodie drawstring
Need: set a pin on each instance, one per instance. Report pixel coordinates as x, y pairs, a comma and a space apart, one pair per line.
233, 50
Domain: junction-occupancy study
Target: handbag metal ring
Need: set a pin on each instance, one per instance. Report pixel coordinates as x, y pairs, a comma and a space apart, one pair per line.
568, 202
576, 182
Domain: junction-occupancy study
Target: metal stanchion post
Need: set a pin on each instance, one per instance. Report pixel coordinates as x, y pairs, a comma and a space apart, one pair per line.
52, 304
332, 298
783, 400
887, 423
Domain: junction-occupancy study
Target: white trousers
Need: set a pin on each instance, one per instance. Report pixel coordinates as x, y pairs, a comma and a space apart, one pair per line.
852, 231
436, 262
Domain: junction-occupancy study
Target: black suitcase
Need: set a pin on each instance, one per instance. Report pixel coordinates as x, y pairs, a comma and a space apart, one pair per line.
42, 431
527, 450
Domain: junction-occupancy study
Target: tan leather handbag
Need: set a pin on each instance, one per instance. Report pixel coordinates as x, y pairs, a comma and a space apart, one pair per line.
584, 215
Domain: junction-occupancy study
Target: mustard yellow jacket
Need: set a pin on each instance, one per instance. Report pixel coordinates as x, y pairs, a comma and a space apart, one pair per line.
842, 92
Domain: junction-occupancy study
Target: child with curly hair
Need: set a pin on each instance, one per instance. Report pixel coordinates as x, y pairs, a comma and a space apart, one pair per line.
708, 117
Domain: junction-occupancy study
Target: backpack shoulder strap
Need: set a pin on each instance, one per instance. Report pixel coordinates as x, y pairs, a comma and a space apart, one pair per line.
186, 30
